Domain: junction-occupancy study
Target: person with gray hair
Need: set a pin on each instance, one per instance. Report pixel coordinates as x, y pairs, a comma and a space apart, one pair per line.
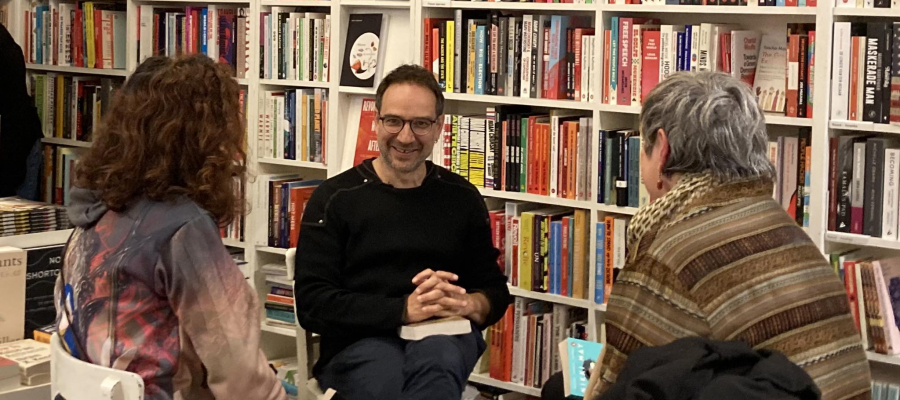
715, 256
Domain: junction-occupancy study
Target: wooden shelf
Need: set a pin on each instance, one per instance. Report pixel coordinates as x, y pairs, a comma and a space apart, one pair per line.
292, 163
524, 101
36, 239
357, 90
865, 126
297, 3
692, 9
294, 83
536, 198
867, 12
883, 358
550, 298
66, 142
279, 330
271, 250
512, 387
377, 3
496, 5
234, 243
862, 240
77, 70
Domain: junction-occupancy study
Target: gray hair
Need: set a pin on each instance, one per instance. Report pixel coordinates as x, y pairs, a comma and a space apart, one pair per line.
713, 123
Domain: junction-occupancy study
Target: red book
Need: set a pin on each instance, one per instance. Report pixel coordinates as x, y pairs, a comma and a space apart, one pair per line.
506, 341
531, 171
195, 31
498, 234
579, 34
426, 45
852, 296
299, 197
78, 39
810, 73
790, 3
274, 298
435, 52
563, 161
649, 61
155, 34
812, 3
564, 258
604, 81
514, 227
792, 77
545, 160
573, 146
98, 39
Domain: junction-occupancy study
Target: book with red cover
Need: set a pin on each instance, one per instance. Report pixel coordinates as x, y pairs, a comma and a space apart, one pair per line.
579, 33
792, 75
366, 141
649, 61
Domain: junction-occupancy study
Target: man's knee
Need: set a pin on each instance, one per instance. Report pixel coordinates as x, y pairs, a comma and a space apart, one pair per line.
369, 369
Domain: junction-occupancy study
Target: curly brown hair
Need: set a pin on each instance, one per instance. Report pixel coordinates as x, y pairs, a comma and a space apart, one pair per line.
174, 129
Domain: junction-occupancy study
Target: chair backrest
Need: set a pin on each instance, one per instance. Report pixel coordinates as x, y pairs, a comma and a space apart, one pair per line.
289, 257
74, 379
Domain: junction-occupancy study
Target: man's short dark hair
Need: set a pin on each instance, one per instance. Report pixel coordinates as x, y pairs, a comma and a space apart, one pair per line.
416, 75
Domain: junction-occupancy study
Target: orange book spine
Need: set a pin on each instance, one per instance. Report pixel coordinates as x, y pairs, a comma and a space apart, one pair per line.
573, 151
545, 159
507, 343
604, 83
852, 112
279, 299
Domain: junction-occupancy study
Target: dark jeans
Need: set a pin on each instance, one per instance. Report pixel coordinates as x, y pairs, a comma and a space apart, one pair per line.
433, 368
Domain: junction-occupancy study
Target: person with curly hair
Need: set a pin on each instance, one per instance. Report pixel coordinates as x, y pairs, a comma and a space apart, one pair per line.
146, 284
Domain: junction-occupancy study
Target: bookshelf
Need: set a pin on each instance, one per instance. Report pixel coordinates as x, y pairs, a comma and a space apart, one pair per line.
405, 42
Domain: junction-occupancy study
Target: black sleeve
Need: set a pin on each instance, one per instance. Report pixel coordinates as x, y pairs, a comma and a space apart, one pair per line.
483, 274
324, 306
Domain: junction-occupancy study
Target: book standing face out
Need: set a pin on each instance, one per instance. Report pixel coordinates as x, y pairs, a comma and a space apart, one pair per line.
12, 293
364, 50
577, 358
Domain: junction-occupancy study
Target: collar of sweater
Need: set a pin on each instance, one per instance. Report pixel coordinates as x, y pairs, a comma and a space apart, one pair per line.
693, 194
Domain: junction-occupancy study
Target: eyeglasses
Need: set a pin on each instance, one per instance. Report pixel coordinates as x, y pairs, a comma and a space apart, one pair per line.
419, 126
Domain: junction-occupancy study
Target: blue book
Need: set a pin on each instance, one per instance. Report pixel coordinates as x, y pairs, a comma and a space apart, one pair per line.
556, 257
39, 34
577, 357
599, 268
613, 53
686, 48
634, 170
204, 26
779, 3
480, 58
280, 315
679, 52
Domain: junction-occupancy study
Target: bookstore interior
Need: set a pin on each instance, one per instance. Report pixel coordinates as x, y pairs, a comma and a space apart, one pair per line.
541, 115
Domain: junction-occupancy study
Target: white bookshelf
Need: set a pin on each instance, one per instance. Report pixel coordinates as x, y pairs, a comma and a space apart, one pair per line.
404, 45
234, 243
883, 358
512, 387
66, 142
36, 239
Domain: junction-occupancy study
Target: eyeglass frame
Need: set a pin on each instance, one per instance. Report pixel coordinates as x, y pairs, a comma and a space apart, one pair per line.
405, 122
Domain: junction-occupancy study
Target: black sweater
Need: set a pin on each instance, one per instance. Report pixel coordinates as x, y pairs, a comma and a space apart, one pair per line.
362, 241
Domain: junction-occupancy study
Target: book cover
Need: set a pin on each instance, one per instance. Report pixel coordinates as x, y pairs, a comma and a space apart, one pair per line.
363, 143
363, 50
12, 293
769, 83
42, 268
873, 73
578, 358
789, 175
744, 55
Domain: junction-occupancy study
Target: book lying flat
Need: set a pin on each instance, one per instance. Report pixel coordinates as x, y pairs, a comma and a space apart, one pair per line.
441, 326
577, 358
33, 358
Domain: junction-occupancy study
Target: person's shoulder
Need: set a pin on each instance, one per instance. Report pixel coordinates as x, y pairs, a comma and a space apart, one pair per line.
348, 180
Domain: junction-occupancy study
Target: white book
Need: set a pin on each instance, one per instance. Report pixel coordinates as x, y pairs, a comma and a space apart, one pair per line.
291, 45
673, 52
769, 83
857, 183
860, 299
318, 27
326, 55
840, 67
619, 228
212, 31
704, 49
66, 11
12, 293
146, 32
745, 55
890, 204
695, 47
542, 56
868, 3
442, 326
510, 55
593, 87
283, 126
586, 65
581, 161
527, 22
33, 358
666, 66
775, 158
299, 128
789, 172
517, 375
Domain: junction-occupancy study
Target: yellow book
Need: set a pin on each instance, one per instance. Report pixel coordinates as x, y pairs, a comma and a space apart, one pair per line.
579, 262
89, 33
450, 69
454, 144
609, 223
545, 251
60, 97
303, 129
526, 255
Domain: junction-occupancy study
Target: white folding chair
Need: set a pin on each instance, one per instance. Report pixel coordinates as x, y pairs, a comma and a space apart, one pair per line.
74, 379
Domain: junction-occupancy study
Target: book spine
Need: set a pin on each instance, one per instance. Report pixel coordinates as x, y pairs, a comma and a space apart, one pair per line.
872, 90
841, 69
802, 78
803, 141
884, 67
891, 184
874, 189
857, 188
623, 82
793, 77
833, 187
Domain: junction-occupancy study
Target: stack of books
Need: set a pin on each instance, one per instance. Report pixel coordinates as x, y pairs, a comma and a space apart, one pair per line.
280, 306
872, 288
19, 217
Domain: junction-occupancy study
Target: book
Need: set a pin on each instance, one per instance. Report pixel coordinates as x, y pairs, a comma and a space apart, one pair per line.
364, 50
12, 286
440, 326
43, 267
361, 142
33, 358
769, 83
577, 358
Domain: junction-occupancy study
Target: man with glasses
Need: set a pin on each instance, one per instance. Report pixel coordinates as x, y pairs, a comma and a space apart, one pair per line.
393, 241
